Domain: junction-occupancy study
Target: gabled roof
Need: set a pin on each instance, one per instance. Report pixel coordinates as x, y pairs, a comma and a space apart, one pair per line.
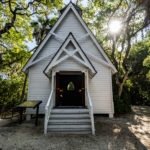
69, 7
75, 6
76, 53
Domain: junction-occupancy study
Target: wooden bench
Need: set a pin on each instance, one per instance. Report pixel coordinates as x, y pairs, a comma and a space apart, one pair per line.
30, 104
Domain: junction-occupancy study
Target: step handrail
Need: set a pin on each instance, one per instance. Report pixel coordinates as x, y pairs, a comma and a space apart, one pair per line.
90, 105
49, 104
48, 109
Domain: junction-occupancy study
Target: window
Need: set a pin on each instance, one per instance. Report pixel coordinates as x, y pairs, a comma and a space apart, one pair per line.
70, 86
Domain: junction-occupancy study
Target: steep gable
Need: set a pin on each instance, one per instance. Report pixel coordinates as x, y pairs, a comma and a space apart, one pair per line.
70, 20
69, 24
70, 49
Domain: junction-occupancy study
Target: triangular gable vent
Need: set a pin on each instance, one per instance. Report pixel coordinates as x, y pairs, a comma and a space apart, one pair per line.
70, 48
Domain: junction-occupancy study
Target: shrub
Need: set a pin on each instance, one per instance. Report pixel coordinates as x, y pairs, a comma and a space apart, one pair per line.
121, 104
10, 93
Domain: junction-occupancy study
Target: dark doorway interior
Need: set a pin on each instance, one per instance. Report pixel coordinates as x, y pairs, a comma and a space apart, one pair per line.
70, 89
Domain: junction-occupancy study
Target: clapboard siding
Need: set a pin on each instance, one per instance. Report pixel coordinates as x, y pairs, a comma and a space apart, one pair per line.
39, 86
70, 24
89, 46
100, 86
51, 46
100, 89
69, 64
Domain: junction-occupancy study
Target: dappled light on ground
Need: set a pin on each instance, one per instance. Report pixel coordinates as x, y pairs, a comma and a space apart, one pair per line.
142, 129
125, 132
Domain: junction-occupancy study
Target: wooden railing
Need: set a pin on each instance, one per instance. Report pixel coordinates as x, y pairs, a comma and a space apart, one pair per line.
48, 109
90, 106
49, 104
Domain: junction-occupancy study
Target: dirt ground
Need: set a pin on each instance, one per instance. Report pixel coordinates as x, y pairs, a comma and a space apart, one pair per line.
126, 132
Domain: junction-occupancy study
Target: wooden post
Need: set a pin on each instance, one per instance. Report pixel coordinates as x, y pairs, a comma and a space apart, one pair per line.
37, 115
24, 87
21, 113
90, 104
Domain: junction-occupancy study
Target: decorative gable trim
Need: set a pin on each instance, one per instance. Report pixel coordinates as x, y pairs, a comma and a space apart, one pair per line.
82, 59
45, 39
89, 33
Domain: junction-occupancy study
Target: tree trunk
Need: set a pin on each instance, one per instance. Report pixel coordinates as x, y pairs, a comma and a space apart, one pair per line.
120, 89
121, 84
24, 87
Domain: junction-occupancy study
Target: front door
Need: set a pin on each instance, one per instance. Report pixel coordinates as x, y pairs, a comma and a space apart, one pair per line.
70, 89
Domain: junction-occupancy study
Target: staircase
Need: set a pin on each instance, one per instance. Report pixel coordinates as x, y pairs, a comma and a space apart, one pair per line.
70, 120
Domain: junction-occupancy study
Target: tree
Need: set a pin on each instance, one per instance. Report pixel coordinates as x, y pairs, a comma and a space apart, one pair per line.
134, 20
42, 27
146, 5
138, 81
16, 18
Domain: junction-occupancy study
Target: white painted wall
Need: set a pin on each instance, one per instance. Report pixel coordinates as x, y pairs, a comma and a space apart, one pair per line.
39, 85
51, 46
70, 24
100, 85
101, 90
69, 64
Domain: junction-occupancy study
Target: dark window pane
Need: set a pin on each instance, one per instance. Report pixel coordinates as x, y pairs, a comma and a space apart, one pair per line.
70, 86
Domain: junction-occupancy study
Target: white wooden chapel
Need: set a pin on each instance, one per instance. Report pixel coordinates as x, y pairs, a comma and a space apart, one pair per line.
72, 75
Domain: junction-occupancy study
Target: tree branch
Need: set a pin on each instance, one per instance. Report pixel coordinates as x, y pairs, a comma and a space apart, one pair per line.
128, 49
10, 63
141, 28
113, 12
122, 48
33, 49
15, 12
3, 45
113, 53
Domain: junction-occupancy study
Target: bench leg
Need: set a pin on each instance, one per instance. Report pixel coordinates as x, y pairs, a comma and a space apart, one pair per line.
37, 114
21, 113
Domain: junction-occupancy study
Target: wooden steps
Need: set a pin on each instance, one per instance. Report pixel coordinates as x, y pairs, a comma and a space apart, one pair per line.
74, 121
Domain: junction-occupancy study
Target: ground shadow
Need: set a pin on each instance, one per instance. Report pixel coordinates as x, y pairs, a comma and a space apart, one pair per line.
111, 134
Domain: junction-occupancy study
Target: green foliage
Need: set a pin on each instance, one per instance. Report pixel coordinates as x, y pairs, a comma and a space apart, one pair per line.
17, 28
139, 56
121, 104
124, 48
146, 63
42, 27
24, 22
10, 91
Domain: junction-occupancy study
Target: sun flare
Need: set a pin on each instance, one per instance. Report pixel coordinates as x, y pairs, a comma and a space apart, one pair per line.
115, 26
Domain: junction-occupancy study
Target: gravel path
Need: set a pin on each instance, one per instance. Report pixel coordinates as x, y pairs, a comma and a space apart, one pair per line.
125, 132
